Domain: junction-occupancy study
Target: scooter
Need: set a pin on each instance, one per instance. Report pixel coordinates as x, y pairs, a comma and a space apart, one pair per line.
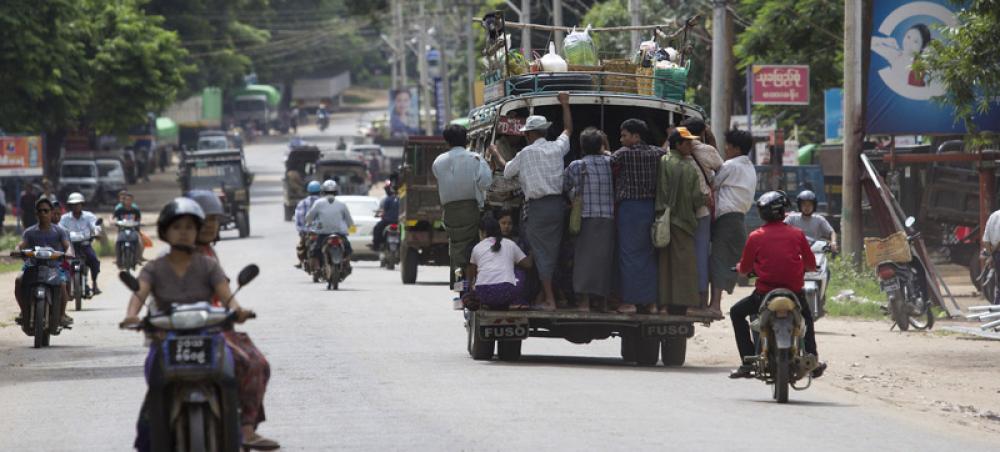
192, 402
390, 249
80, 286
335, 265
323, 120
816, 282
127, 245
781, 359
905, 286
41, 287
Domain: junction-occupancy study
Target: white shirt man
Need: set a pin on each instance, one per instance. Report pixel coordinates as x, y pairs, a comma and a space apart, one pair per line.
86, 224
734, 185
329, 216
461, 175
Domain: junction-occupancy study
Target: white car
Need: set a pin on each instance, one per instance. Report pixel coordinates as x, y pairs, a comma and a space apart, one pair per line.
362, 210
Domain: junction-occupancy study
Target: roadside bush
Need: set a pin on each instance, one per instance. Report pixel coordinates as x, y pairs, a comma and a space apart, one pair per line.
867, 299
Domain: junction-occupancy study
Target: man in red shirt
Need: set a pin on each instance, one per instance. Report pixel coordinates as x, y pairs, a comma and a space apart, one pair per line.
780, 255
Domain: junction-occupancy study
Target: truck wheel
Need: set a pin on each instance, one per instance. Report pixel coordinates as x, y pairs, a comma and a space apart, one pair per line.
509, 350
628, 348
647, 351
674, 351
408, 271
289, 212
481, 350
243, 224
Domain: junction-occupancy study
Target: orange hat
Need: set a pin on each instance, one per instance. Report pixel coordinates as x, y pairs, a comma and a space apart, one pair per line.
686, 134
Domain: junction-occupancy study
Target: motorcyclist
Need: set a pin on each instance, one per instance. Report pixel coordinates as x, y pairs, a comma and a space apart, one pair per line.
341, 144
128, 210
328, 216
301, 209
814, 226
252, 369
179, 224
84, 223
779, 255
388, 211
44, 233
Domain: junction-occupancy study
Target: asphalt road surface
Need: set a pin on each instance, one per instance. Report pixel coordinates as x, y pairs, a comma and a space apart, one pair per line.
382, 366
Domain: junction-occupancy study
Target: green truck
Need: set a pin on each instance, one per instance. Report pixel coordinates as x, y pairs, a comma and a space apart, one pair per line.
257, 106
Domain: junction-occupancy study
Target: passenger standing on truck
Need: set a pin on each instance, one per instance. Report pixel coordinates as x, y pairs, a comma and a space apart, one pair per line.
491, 268
634, 167
539, 166
706, 160
594, 251
734, 187
677, 189
463, 178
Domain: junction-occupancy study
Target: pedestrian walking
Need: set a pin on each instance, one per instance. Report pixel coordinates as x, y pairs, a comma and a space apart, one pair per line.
593, 257
463, 178
539, 167
991, 248
734, 187
677, 190
634, 167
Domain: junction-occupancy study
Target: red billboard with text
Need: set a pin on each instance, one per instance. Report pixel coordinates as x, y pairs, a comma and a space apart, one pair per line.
780, 84
20, 155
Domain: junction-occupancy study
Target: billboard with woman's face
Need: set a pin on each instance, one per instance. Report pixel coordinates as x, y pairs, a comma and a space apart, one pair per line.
404, 112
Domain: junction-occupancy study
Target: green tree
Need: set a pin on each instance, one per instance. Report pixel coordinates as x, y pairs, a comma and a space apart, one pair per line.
795, 32
967, 60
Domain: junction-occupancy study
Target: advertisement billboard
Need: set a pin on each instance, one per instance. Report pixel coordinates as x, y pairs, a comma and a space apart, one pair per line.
404, 112
900, 100
774, 84
20, 155
833, 115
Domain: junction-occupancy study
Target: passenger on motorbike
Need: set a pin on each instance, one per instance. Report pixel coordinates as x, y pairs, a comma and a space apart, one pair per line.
252, 369
779, 255
329, 216
182, 276
814, 226
84, 223
44, 233
388, 211
301, 209
128, 210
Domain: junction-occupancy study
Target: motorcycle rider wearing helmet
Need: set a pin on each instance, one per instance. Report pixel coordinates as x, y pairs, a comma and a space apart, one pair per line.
301, 209
814, 226
252, 369
388, 211
84, 223
44, 233
201, 278
780, 255
328, 216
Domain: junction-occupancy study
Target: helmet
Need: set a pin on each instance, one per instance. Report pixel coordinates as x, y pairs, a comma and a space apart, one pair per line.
389, 189
806, 195
207, 200
175, 209
771, 206
329, 186
75, 198
313, 187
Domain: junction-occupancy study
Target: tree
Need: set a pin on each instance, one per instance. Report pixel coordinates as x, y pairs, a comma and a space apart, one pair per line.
967, 60
795, 32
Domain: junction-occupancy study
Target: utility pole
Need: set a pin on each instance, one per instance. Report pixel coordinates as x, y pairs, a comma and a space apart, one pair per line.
525, 15
401, 43
394, 42
722, 71
470, 58
850, 220
635, 12
442, 42
426, 121
557, 20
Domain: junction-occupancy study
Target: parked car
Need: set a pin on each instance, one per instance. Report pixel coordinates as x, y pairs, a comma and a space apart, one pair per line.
110, 180
78, 175
362, 210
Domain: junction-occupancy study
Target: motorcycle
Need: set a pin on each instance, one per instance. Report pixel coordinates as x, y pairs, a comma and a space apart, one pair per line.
390, 249
80, 286
304, 255
781, 359
192, 401
127, 245
816, 282
986, 281
335, 266
323, 120
41, 287
905, 285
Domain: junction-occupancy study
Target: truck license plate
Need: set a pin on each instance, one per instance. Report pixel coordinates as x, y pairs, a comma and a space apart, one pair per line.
502, 331
654, 330
190, 350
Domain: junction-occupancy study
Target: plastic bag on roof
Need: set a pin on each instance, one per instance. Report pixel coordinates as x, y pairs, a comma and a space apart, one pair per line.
579, 48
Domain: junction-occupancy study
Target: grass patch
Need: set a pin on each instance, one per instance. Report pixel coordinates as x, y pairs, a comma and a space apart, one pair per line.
9, 241
7, 267
867, 299
354, 99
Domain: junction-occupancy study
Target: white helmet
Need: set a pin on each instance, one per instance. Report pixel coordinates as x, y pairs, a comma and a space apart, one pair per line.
329, 186
75, 198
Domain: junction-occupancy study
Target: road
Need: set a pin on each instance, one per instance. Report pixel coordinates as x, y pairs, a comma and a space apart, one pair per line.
380, 366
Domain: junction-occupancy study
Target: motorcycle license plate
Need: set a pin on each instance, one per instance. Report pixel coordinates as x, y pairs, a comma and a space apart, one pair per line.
393, 239
890, 286
190, 350
661, 330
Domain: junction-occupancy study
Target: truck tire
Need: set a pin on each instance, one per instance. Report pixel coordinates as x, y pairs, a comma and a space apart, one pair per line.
243, 224
509, 350
674, 351
647, 351
628, 348
408, 271
481, 350
289, 212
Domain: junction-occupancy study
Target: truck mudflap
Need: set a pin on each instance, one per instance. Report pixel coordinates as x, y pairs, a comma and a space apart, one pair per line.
665, 330
509, 328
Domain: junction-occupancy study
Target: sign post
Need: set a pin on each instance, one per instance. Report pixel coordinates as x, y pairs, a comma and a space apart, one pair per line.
780, 84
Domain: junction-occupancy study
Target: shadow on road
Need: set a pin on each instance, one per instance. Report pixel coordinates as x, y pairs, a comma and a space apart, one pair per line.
594, 362
28, 375
806, 403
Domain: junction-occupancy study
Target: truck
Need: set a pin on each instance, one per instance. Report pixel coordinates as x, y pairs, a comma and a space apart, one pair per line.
202, 111
423, 240
257, 106
309, 93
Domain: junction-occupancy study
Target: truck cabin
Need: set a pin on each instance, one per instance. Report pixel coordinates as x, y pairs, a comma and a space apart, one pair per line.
217, 170
351, 175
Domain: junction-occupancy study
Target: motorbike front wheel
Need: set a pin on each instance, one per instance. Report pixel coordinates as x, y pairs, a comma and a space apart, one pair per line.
39, 323
78, 290
781, 375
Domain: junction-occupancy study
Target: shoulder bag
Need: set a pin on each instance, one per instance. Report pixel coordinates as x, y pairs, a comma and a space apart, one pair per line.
576, 212
661, 225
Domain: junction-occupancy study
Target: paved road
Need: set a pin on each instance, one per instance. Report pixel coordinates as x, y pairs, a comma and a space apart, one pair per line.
379, 366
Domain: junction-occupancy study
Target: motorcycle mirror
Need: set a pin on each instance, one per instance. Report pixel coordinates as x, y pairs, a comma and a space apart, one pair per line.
910, 221
247, 274
129, 280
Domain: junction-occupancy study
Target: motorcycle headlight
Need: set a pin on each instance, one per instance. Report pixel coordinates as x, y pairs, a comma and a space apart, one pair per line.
188, 320
43, 254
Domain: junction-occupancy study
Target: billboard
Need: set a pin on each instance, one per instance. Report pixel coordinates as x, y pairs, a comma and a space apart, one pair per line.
404, 112
899, 99
20, 155
773, 84
833, 115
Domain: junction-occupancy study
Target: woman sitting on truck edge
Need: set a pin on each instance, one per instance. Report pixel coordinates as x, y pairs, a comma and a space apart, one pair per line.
491, 268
